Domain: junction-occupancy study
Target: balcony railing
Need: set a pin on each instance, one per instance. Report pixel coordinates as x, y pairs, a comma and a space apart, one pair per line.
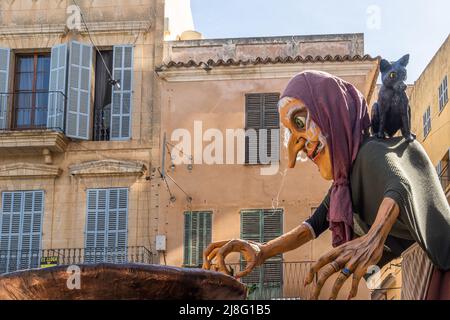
28, 110
11, 261
289, 287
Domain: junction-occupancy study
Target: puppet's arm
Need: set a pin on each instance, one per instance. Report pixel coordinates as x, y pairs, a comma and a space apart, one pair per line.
255, 253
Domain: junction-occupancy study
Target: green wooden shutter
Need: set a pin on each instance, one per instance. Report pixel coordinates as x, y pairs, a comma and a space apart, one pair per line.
106, 225
122, 98
57, 87
263, 225
271, 122
197, 236
79, 91
21, 230
253, 120
5, 54
261, 112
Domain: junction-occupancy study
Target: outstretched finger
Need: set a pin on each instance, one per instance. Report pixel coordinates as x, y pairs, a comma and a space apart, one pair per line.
355, 284
324, 260
324, 274
338, 285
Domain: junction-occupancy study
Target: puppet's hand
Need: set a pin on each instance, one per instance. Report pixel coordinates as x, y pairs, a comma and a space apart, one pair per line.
356, 256
252, 252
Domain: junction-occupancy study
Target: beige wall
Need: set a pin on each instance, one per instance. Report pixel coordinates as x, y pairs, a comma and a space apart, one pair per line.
27, 26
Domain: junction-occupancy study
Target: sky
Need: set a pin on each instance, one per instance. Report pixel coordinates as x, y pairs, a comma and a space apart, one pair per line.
391, 28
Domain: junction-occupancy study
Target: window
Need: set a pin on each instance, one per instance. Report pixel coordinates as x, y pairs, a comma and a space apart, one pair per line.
443, 171
31, 85
197, 236
443, 94
106, 225
427, 122
54, 91
263, 225
261, 115
21, 230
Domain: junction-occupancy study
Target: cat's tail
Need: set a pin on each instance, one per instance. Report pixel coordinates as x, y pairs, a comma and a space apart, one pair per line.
375, 118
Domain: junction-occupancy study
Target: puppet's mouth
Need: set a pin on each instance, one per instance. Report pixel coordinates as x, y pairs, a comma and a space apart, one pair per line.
316, 151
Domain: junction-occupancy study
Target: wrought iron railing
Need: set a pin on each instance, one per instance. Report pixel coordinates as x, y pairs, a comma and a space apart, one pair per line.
102, 118
26, 110
289, 285
15, 260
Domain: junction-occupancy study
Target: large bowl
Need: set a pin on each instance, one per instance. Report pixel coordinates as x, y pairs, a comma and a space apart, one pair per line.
120, 282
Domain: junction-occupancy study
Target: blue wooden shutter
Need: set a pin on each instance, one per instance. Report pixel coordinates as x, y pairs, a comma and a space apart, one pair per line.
122, 98
117, 232
21, 230
4, 81
79, 91
106, 225
57, 87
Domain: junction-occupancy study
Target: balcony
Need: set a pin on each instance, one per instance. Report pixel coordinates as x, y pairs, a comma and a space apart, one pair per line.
11, 261
24, 128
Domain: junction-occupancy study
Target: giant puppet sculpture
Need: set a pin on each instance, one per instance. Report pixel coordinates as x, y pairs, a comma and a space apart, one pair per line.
385, 195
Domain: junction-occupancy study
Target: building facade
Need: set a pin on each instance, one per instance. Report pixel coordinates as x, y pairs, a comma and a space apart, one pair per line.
77, 89
211, 86
431, 114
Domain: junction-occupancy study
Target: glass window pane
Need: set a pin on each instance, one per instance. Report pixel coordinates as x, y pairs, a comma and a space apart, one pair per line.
24, 81
25, 64
42, 81
43, 64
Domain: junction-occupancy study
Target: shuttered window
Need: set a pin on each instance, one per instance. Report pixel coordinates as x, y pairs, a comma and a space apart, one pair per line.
4, 81
79, 91
57, 87
197, 236
106, 225
263, 225
426, 122
122, 97
443, 94
261, 112
21, 230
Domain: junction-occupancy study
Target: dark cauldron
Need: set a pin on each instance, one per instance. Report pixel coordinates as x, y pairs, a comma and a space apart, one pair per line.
121, 282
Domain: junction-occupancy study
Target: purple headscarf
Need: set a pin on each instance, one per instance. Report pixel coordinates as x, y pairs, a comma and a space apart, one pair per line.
340, 111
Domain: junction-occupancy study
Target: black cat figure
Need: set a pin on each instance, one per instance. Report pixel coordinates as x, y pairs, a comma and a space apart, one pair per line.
392, 111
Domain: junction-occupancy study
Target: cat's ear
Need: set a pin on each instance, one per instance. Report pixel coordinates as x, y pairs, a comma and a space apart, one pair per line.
404, 60
385, 65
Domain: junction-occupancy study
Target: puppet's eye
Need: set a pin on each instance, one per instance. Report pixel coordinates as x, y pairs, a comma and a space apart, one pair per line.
300, 122
392, 75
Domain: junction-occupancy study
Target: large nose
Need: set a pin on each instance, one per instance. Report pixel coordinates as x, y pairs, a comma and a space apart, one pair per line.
295, 145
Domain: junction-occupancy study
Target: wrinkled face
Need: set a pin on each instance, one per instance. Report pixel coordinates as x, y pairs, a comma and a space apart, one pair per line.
305, 136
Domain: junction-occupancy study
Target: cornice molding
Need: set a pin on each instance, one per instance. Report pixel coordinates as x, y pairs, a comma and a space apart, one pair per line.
108, 168
94, 27
28, 170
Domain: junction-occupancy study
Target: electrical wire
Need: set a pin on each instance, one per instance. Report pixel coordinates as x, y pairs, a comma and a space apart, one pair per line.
92, 41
